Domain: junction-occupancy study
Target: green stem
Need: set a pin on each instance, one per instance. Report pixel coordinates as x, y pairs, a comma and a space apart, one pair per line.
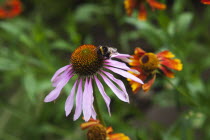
96, 106
182, 92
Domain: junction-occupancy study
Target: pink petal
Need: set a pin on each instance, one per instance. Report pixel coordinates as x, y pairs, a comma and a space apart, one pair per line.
59, 78
120, 94
103, 93
78, 110
93, 113
55, 93
120, 65
118, 82
70, 100
125, 74
87, 100
59, 71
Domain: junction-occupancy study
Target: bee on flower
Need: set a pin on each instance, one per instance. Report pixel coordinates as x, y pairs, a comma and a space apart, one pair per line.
96, 131
10, 8
91, 64
130, 5
148, 64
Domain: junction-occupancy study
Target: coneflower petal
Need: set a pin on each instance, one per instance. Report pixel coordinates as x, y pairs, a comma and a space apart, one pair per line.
78, 109
59, 71
120, 94
55, 93
118, 82
125, 74
59, 78
103, 93
87, 100
70, 100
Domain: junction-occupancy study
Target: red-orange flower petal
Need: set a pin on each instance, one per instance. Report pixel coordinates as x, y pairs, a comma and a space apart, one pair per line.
118, 136
167, 72
88, 124
156, 5
129, 6
139, 52
10, 8
172, 63
166, 54
205, 1
146, 86
142, 15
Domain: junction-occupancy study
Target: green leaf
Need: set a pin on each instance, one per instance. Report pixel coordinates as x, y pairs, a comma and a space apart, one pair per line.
29, 83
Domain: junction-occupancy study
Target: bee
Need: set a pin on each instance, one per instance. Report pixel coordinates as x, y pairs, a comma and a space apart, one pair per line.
106, 52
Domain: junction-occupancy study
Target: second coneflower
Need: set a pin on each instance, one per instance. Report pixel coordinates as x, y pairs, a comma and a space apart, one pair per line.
148, 64
130, 5
96, 131
90, 64
10, 8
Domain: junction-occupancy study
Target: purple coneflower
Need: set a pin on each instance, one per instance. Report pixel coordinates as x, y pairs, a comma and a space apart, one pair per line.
90, 63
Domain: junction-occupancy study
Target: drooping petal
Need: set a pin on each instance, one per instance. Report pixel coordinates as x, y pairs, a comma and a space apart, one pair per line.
135, 86
142, 15
123, 57
103, 93
118, 136
59, 78
59, 71
79, 102
129, 6
125, 74
167, 72
55, 93
120, 65
146, 86
70, 100
154, 4
118, 82
172, 63
166, 54
87, 100
93, 113
138, 51
120, 94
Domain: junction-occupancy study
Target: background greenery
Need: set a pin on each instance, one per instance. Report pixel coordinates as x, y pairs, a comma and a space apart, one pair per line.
39, 41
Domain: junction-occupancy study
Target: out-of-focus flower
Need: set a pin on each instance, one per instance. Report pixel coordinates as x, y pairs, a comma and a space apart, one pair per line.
90, 63
10, 9
148, 64
97, 131
205, 1
130, 5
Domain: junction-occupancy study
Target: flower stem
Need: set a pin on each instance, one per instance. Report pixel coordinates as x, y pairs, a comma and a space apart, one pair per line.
182, 92
96, 106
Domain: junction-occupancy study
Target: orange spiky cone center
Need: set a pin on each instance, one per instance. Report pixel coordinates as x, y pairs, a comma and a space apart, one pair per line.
85, 60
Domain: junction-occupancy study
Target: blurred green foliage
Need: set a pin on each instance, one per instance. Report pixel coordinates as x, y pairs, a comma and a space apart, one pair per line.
39, 41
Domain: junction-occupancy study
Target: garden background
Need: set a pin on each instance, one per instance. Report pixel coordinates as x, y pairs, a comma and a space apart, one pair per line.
34, 44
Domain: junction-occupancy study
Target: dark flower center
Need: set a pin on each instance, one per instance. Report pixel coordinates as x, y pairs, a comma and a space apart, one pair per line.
96, 132
149, 62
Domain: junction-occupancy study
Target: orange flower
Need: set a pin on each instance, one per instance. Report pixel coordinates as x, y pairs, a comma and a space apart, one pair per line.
97, 131
148, 64
205, 1
10, 9
130, 5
